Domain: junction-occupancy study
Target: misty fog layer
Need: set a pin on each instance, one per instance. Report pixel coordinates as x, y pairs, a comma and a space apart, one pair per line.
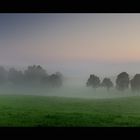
35, 80
72, 87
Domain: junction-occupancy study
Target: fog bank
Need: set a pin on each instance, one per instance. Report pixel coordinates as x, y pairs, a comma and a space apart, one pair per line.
73, 87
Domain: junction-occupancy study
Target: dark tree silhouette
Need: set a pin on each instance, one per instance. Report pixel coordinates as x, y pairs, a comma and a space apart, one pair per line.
55, 80
15, 76
107, 83
93, 81
34, 74
122, 81
135, 83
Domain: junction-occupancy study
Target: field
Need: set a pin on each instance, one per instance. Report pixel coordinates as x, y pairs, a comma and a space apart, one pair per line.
40, 111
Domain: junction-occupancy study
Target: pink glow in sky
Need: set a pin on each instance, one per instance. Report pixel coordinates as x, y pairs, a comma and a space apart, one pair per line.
72, 43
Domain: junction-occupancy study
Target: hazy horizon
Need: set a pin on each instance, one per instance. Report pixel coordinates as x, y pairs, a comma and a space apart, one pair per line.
74, 44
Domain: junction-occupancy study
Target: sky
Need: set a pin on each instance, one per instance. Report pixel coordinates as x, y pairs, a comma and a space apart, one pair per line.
75, 44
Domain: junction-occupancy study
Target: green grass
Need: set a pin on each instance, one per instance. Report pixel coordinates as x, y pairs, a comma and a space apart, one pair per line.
39, 111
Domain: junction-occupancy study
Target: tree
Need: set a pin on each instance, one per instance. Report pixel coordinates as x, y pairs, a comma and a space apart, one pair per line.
55, 80
107, 83
15, 76
122, 81
34, 74
93, 81
135, 83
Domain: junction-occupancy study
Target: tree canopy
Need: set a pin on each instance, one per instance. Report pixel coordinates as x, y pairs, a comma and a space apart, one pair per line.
34, 75
135, 83
93, 81
107, 83
122, 81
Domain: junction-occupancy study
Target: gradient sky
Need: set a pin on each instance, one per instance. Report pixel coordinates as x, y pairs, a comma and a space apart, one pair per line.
74, 44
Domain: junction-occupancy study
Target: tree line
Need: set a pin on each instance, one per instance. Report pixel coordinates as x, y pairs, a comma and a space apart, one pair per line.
36, 75
122, 82
33, 75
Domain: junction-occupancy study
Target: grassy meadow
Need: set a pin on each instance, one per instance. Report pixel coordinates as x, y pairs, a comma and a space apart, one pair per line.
47, 111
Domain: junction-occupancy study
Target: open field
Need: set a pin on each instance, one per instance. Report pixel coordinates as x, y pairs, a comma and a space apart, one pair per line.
40, 111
